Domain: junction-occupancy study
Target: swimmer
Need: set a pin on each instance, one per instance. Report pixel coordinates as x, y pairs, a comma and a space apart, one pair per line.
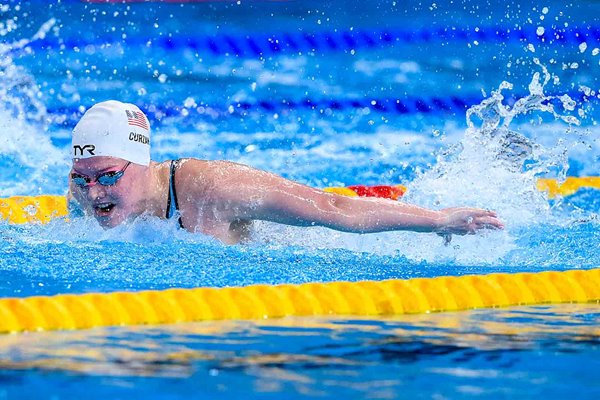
114, 180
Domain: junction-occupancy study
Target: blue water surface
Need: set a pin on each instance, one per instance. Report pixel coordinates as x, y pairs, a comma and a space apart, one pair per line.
327, 94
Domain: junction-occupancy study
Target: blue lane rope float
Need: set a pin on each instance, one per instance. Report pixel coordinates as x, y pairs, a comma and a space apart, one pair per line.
258, 45
67, 116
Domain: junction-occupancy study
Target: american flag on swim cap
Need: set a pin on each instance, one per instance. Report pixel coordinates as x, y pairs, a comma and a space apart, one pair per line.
136, 118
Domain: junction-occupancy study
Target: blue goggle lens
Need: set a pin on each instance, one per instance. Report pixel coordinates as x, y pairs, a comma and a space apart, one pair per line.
109, 178
79, 180
105, 179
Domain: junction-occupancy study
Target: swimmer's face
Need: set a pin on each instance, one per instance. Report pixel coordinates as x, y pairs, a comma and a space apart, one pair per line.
112, 204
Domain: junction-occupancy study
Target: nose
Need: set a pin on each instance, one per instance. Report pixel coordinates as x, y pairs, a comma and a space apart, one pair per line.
95, 192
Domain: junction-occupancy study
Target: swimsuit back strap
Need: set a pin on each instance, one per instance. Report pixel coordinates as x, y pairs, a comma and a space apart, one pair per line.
172, 204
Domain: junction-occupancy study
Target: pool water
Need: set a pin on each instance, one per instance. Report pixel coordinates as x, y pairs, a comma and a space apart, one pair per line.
327, 94
520, 352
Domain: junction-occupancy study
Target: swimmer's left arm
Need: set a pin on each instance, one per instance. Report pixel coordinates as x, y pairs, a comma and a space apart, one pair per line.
265, 196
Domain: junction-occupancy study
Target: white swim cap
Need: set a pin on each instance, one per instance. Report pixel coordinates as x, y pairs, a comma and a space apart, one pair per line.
113, 129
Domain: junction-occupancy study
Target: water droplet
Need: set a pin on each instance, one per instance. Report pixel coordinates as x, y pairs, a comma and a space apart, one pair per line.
189, 102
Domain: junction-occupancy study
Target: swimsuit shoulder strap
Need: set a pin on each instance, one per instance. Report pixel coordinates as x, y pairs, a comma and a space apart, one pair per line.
172, 204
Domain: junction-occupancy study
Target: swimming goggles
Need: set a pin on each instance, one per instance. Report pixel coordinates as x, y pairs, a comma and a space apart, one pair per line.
105, 179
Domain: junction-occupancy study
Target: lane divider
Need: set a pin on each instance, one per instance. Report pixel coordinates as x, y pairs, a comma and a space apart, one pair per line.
570, 186
68, 116
366, 298
42, 209
259, 45
32, 209
393, 192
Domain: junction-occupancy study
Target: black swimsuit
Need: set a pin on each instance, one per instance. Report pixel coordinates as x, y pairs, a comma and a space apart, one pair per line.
172, 206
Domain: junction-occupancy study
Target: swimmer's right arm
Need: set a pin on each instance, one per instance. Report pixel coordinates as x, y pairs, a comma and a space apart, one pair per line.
253, 194
304, 207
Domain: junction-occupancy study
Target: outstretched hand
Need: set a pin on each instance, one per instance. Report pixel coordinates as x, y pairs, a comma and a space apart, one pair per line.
466, 221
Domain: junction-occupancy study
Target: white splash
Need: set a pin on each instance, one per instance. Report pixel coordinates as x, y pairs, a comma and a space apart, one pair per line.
495, 168
26, 153
18, 90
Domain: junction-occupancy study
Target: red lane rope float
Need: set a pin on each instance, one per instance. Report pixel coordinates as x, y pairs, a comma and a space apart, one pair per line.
553, 187
382, 191
393, 192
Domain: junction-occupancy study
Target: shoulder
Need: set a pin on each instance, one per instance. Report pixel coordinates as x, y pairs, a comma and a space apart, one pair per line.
200, 175
195, 167
220, 169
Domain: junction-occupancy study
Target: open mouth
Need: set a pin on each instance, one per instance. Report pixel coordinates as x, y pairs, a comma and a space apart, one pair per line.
103, 209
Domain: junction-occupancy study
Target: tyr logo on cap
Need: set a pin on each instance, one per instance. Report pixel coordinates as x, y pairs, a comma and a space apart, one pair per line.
88, 147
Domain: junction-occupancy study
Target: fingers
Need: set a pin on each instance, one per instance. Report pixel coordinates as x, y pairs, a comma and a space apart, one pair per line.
447, 238
487, 213
471, 212
482, 219
488, 222
474, 224
468, 221
479, 212
478, 224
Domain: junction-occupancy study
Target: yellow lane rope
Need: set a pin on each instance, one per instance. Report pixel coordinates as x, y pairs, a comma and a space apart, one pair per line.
41, 209
569, 187
32, 209
367, 298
